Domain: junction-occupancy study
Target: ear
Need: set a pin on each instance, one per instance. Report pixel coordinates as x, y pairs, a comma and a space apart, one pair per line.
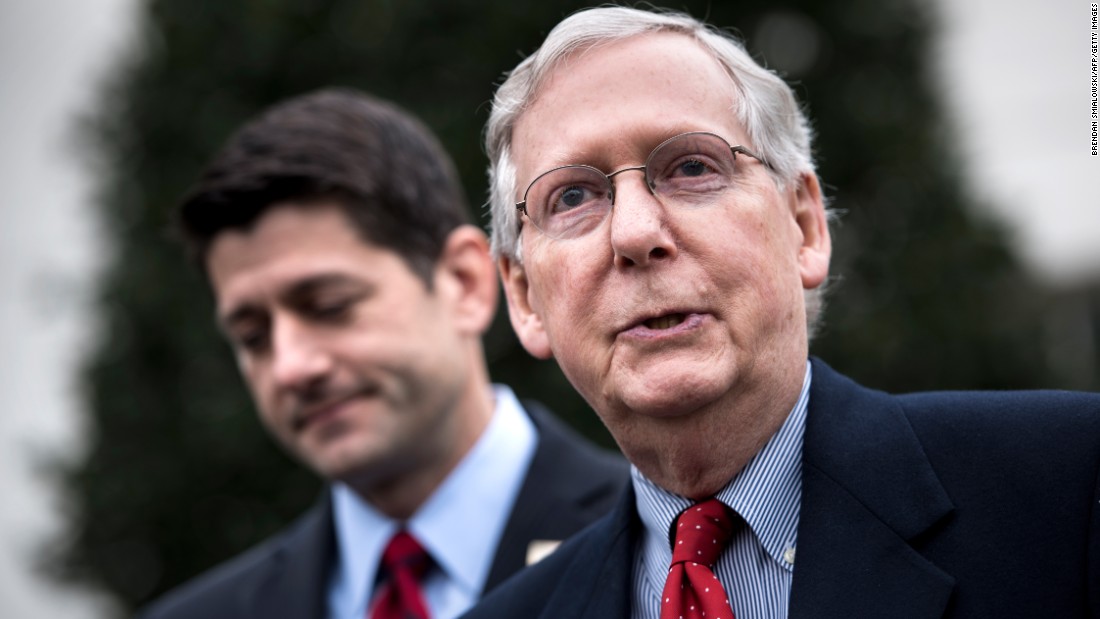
465, 275
816, 248
525, 319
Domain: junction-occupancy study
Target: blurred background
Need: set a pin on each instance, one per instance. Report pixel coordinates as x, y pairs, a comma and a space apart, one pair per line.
953, 136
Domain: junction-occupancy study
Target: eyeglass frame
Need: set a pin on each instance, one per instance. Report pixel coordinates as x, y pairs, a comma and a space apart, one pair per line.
521, 206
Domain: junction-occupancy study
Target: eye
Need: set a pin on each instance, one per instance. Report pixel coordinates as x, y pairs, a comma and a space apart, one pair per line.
692, 167
329, 309
691, 174
253, 342
250, 339
567, 189
570, 198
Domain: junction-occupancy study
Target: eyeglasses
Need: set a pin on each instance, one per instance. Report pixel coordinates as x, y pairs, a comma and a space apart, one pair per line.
687, 170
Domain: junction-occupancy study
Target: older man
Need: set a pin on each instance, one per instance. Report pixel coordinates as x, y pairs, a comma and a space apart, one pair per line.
661, 233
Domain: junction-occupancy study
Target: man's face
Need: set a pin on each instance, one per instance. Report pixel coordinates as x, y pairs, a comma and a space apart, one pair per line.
353, 363
664, 319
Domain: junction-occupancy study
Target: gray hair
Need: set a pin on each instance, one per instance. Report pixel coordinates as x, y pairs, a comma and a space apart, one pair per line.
766, 107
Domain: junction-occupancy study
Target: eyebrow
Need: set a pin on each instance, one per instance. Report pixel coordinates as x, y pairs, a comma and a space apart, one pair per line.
301, 289
646, 138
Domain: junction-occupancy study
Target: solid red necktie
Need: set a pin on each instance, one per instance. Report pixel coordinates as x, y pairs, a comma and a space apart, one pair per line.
692, 591
404, 563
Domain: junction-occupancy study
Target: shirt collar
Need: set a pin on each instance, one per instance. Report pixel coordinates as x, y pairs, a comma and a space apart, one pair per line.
461, 522
767, 493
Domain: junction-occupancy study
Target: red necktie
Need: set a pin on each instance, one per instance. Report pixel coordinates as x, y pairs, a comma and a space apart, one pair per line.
403, 565
692, 591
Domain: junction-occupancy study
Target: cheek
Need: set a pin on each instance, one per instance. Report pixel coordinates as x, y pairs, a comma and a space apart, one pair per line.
266, 407
571, 298
554, 280
259, 385
252, 378
575, 307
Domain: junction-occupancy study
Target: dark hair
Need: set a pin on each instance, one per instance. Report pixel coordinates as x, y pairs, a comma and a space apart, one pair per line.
381, 166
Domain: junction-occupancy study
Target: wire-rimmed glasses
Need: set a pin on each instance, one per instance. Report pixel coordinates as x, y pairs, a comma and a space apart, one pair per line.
686, 170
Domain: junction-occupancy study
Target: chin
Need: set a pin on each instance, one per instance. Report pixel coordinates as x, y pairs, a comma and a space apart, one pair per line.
332, 470
674, 397
341, 461
663, 408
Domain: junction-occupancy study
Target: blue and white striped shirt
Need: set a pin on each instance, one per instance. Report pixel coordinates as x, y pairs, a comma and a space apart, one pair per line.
757, 568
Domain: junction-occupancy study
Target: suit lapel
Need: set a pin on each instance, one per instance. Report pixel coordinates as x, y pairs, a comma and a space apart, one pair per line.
559, 496
868, 492
294, 584
597, 584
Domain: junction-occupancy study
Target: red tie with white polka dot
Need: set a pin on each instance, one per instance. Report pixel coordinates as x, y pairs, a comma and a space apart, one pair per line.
404, 563
692, 591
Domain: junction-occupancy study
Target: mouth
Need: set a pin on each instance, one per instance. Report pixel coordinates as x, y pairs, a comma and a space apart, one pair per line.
661, 323
316, 414
312, 413
671, 324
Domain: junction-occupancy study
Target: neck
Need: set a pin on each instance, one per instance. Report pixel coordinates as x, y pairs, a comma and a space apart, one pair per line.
699, 454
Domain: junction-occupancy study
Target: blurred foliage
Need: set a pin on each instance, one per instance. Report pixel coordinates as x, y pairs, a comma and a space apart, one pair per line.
179, 474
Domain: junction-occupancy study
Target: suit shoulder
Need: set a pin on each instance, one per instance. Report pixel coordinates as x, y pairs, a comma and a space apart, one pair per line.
221, 591
1018, 435
213, 592
1058, 413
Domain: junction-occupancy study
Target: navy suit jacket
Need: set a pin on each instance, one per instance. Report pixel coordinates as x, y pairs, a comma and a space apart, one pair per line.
570, 483
913, 507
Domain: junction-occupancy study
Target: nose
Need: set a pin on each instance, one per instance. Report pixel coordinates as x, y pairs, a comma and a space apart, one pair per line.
639, 231
301, 361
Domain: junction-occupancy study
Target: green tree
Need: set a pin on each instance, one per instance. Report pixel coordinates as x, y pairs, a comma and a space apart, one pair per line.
179, 475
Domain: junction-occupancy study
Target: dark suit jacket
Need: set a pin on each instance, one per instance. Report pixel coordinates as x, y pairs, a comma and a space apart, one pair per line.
570, 483
913, 507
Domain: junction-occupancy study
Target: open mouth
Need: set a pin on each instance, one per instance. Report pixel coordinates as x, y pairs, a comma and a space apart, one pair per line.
667, 321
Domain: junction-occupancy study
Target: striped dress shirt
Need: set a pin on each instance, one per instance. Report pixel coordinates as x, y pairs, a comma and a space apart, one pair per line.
757, 568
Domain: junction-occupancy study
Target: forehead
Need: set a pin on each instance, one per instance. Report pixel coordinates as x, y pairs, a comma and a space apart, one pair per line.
288, 243
610, 104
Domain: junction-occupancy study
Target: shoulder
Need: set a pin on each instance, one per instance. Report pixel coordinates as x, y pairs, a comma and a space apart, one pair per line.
974, 419
978, 442
225, 591
215, 593
1063, 418
1018, 435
